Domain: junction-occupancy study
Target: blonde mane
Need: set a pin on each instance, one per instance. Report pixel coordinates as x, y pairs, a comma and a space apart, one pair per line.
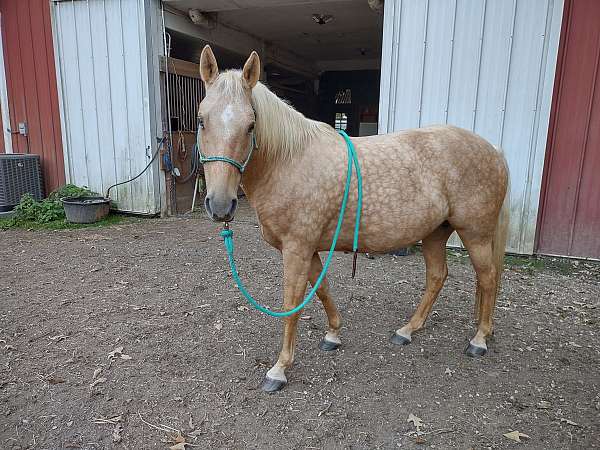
281, 131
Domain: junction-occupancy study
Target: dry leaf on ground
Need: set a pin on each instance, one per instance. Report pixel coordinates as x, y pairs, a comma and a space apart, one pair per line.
516, 436
417, 422
179, 442
420, 440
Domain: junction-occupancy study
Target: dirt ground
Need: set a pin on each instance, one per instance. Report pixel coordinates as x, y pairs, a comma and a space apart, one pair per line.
193, 355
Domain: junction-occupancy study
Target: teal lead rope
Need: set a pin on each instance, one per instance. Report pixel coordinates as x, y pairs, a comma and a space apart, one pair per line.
227, 235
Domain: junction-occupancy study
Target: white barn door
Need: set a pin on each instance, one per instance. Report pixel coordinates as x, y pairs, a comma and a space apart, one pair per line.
107, 63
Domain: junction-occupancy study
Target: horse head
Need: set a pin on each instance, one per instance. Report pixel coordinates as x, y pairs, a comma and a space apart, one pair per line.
226, 138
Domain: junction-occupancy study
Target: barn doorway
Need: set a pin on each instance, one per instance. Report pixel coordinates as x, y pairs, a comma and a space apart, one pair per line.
324, 58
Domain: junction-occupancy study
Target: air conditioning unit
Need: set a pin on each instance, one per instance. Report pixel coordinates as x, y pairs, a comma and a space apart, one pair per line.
19, 174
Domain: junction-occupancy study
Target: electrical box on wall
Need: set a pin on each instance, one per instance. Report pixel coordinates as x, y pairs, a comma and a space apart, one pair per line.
23, 128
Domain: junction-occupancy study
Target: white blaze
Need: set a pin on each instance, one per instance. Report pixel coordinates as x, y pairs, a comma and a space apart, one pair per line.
227, 117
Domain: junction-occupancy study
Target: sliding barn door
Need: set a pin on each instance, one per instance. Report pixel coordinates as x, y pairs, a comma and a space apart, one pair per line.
569, 221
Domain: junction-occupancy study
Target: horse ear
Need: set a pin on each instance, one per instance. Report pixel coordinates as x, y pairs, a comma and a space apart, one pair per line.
251, 72
208, 65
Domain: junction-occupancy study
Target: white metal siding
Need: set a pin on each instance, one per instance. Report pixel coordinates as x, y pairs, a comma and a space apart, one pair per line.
4, 111
487, 66
106, 61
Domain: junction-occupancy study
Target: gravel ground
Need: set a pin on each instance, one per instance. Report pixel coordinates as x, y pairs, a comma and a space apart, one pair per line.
120, 337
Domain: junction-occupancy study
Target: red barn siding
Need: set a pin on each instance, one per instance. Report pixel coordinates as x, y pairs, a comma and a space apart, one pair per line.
569, 221
31, 84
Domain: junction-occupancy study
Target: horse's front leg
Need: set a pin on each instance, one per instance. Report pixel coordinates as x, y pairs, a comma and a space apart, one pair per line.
296, 266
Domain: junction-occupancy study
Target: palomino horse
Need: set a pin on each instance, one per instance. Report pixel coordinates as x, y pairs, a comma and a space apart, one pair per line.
420, 184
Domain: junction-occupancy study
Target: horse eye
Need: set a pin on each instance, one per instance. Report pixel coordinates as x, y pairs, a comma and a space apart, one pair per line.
251, 128
200, 122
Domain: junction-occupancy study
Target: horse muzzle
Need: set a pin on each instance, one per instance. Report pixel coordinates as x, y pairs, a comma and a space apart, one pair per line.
220, 208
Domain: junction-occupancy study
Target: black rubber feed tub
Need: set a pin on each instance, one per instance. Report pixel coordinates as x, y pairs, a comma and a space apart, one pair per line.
86, 209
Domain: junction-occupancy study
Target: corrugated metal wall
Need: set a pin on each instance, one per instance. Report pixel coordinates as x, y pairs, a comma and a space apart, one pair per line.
108, 71
31, 85
487, 66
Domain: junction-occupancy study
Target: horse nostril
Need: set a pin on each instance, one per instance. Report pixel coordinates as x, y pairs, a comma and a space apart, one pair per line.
234, 203
207, 206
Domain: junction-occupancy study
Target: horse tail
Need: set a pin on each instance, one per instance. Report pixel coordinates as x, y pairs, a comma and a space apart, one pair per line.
501, 231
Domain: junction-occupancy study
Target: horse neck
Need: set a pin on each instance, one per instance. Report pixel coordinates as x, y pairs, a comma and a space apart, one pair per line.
259, 171
282, 147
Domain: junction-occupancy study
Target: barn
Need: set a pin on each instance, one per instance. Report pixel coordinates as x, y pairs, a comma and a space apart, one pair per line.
106, 88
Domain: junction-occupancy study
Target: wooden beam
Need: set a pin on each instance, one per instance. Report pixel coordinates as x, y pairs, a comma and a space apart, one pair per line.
180, 67
230, 5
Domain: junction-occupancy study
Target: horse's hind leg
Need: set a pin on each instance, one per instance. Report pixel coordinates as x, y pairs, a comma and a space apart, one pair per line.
481, 253
331, 341
434, 252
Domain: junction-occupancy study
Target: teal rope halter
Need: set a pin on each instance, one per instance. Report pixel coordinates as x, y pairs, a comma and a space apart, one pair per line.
227, 234
240, 166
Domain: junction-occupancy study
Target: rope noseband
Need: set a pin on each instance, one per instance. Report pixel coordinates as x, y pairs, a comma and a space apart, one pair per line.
239, 166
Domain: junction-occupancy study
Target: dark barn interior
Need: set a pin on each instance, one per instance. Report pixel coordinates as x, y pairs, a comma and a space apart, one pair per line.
322, 57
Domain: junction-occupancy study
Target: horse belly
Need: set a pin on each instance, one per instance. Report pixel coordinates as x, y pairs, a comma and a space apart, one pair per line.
388, 226
400, 225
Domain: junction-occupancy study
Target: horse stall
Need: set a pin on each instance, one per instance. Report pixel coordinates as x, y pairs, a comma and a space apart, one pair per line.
182, 91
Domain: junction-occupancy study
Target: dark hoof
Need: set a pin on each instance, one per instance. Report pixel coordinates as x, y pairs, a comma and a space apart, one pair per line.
328, 346
475, 351
270, 385
399, 340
